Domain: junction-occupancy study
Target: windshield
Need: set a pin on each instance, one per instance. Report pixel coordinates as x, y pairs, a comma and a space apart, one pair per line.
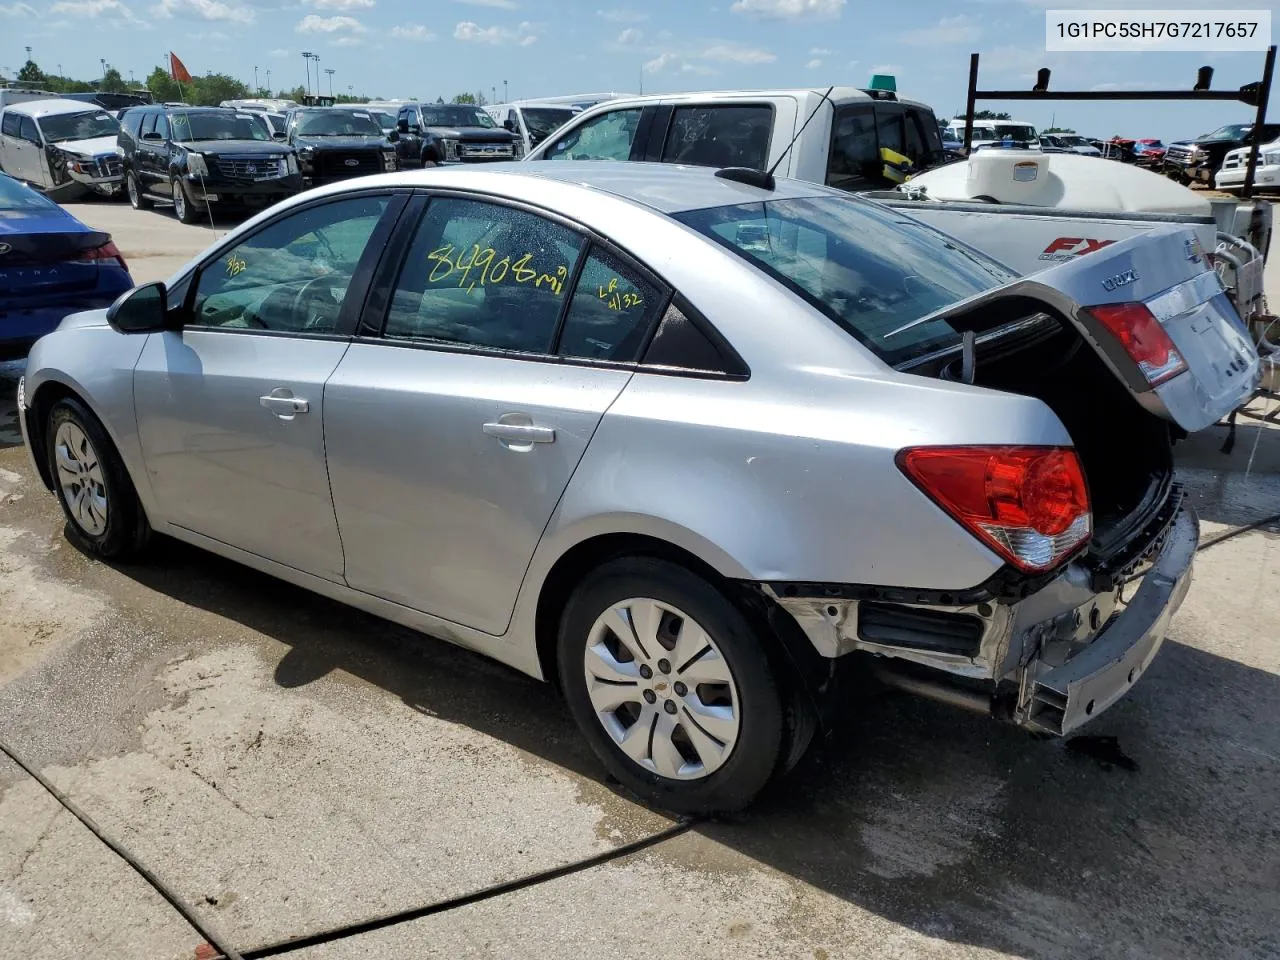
456, 116
1015, 131
1233, 131
1073, 141
17, 198
543, 121
384, 120
79, 126
866, 267
338, 123
218, 125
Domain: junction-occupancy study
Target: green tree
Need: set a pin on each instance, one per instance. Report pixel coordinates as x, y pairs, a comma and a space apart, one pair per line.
986, 115
30, 73
211, 89
297, 94
112, 82
163, 87
464, 98
1058, 130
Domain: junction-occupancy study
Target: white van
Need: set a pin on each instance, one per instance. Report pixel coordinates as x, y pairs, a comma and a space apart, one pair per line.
532, 121
988, 132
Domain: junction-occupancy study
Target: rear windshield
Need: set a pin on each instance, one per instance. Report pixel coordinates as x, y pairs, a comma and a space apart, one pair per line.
218, 126
79, 126
543, 121
1015, 131
869, 269
15, 197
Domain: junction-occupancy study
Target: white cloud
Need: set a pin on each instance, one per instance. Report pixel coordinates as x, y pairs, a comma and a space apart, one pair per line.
500, 4
891, 68
814, 64
93, 9
313, 24
820, 52
18, 10
205, 36
279, 53
696, 68
630, 36
412, 31
789, 9
958, 29
346, 42
660, 62
526, 34
732, 53
213, 10
341, 4
622, 16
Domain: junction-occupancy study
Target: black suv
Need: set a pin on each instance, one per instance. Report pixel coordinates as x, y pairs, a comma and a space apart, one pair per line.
198, 156
435, 133
336, 143
1201, 158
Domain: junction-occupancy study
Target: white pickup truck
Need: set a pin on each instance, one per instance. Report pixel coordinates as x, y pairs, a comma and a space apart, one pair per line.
847, 137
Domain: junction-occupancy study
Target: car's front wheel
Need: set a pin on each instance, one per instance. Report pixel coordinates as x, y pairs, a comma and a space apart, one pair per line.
183, 207
102, 508
671, 685
137, 199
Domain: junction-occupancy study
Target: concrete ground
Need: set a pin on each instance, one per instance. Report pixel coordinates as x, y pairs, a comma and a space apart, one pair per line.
289, 766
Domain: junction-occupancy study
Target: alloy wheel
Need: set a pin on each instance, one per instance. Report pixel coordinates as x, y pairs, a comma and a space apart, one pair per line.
179, 201
661, 689
131, 185
80, 477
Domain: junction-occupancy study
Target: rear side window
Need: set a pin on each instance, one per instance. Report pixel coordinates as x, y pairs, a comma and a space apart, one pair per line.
612, 309
855, 157
132, 122
9, 125
862, 265
484, 275
720, 136
610, 136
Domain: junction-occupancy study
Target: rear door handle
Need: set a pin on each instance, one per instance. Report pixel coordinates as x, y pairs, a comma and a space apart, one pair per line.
520, 433
284, 404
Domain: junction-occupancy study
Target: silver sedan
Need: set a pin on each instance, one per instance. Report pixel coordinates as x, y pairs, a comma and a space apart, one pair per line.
674, 438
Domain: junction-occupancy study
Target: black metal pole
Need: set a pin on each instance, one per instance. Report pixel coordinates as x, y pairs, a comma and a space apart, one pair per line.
969, 103
1264, 94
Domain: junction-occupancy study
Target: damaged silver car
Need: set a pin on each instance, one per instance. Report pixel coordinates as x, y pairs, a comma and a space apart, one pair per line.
681, 442
67, 148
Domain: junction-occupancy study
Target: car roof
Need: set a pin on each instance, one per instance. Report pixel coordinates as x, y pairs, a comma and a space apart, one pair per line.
838, 95
54, 107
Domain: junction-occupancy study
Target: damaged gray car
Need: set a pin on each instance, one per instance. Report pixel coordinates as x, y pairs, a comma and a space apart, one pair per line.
679, 442
66, 148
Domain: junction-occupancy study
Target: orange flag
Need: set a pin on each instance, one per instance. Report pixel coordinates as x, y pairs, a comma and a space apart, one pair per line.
177, 70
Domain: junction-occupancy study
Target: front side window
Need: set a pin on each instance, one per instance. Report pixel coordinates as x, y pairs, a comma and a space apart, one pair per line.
611, 310
79, 126
864, 266
291, 276
609, 136
484, 275
162, 126
720, 136
27, 130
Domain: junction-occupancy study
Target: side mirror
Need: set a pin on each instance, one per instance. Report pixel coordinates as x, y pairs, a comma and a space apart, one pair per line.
141, 310
402, 126
278, 135
393, 136
152, 135
509, 123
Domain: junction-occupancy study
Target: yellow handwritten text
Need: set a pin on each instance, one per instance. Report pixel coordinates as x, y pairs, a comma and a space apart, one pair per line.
481, 266
235, 266
616, 300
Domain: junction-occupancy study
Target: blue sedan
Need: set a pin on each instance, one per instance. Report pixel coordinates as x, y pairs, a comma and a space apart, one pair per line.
51, 265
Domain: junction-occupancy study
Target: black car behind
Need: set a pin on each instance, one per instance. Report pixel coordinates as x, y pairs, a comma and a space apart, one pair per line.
1201, 158
436, 133
337, 143
199, 158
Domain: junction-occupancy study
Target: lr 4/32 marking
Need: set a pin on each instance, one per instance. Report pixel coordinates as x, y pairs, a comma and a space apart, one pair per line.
1065, 248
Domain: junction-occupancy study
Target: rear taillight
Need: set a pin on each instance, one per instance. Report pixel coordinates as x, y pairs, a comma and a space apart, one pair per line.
108, 251
1029, 504
1143, 338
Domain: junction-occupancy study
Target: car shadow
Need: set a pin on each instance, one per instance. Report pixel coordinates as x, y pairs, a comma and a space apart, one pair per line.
1151, 836
10, 432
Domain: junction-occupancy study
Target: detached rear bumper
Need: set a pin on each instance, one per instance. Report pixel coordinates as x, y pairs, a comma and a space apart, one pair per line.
1059, 700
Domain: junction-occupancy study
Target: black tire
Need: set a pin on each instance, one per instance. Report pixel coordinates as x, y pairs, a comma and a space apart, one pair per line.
126, 530
138, 198
184, 208
755, 755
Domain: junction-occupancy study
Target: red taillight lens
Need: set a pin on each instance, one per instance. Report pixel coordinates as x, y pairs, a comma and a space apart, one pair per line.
108, 251
1142, 337
1029, 504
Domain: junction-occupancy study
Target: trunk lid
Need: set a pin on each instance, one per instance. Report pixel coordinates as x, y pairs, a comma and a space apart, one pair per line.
47, 257
1167, 272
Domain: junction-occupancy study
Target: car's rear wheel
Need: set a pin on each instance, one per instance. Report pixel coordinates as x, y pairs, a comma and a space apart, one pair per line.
183, 206
137, 199
671, 686
102, 508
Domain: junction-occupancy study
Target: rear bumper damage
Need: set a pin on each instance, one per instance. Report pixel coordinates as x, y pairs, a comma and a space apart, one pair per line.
1049, 662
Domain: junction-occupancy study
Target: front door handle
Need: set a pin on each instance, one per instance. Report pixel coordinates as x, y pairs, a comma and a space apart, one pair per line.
284, 404
520, 433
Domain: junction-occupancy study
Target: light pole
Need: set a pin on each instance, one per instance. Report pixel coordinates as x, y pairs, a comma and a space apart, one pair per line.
103, 61
330, 71
505, 98
256, 89
306, 56
268, 82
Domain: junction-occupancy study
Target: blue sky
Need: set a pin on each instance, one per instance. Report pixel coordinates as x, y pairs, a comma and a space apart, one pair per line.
398, 48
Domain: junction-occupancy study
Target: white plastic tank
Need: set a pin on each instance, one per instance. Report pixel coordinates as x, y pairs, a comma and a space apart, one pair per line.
1009, 176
